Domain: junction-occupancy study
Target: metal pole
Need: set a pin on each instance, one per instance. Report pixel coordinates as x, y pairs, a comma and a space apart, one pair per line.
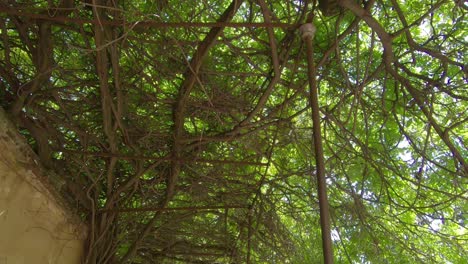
308, 32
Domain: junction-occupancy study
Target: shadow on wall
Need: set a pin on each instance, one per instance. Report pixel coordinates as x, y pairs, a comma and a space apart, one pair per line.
35, 224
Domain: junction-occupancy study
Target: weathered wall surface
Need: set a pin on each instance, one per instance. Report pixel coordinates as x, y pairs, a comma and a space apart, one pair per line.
35, 225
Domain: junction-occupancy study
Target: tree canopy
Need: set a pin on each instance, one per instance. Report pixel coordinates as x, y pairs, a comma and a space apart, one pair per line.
181, 131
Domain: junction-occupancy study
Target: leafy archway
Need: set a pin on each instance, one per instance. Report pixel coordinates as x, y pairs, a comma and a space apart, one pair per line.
183, 134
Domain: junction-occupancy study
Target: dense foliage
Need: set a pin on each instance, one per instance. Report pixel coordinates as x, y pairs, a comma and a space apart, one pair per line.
182, 129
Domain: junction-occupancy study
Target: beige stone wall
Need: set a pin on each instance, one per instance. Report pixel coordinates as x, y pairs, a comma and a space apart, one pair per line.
35, 225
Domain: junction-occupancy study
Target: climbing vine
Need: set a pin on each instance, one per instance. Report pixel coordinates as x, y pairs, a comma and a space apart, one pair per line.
182, 130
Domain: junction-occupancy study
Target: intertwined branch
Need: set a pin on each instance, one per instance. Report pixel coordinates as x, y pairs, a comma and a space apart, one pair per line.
182, 130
